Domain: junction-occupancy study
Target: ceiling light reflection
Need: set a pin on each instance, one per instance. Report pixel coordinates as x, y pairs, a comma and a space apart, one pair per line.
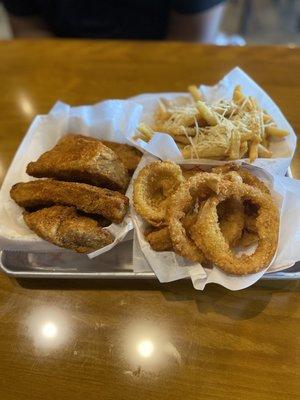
26, 105
145, 348
49, 330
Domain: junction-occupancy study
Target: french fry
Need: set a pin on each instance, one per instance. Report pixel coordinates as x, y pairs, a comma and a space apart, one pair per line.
188, 152
267, 118
201, 121
234, 152
145, 131
264, 152
252, 103
265, 142
195, 92
174, 130
161, 114
245, 136
228, 113
206, 113
141, 136
185, 120
253, 150
162, 106
165, 102
243, 149
182, 139
222, 130
238, 96
181, 146
213, 152
276, 132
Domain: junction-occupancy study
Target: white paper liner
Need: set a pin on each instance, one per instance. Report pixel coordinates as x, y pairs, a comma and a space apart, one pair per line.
168, 266
109, 120
163, 145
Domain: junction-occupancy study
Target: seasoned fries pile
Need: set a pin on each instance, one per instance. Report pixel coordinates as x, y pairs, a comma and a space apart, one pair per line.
226, 130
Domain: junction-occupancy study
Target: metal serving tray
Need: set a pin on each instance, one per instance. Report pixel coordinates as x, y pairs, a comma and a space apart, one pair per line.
115, 264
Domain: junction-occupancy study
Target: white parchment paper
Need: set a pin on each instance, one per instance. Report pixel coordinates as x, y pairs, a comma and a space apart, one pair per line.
108, 120
168, 266
163, 145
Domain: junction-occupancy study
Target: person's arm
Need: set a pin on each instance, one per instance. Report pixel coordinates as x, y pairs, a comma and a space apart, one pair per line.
29, 27
195, 26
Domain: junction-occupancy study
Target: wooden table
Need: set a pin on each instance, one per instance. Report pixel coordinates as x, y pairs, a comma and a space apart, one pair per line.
141, 340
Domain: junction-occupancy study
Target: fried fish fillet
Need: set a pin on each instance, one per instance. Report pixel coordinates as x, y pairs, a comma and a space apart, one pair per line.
129, 155
81, 159
64, 227
89, 199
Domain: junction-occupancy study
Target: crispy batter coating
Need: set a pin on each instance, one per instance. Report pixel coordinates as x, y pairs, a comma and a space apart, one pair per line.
181, 203
246, 176
159, 239
129, 155
231, 223
81, 159
208, 236
63, 227
252, 180
250, 223
187, 173
211, 213
89, 199
154, 185
231, 220
247, 239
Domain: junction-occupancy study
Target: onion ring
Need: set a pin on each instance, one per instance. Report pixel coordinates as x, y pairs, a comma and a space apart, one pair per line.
231, 220
182, 201
246, 176
252, 180
160, 240
227, 228
155, 183
231, 226
247, 239
208, 236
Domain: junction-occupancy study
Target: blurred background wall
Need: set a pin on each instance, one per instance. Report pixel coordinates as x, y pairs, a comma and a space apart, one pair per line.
264, 21
244, 22
5, 32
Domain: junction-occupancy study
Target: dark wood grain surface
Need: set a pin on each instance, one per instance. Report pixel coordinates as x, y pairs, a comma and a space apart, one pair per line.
141, 340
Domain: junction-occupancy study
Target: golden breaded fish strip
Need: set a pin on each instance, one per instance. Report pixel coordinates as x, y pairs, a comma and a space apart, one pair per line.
81, 159
63, 227
89, 199
129, 155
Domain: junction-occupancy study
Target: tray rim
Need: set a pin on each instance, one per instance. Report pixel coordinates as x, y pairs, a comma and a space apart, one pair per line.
124, 275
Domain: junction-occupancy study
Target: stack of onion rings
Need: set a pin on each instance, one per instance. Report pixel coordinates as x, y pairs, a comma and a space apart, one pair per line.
204, 215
